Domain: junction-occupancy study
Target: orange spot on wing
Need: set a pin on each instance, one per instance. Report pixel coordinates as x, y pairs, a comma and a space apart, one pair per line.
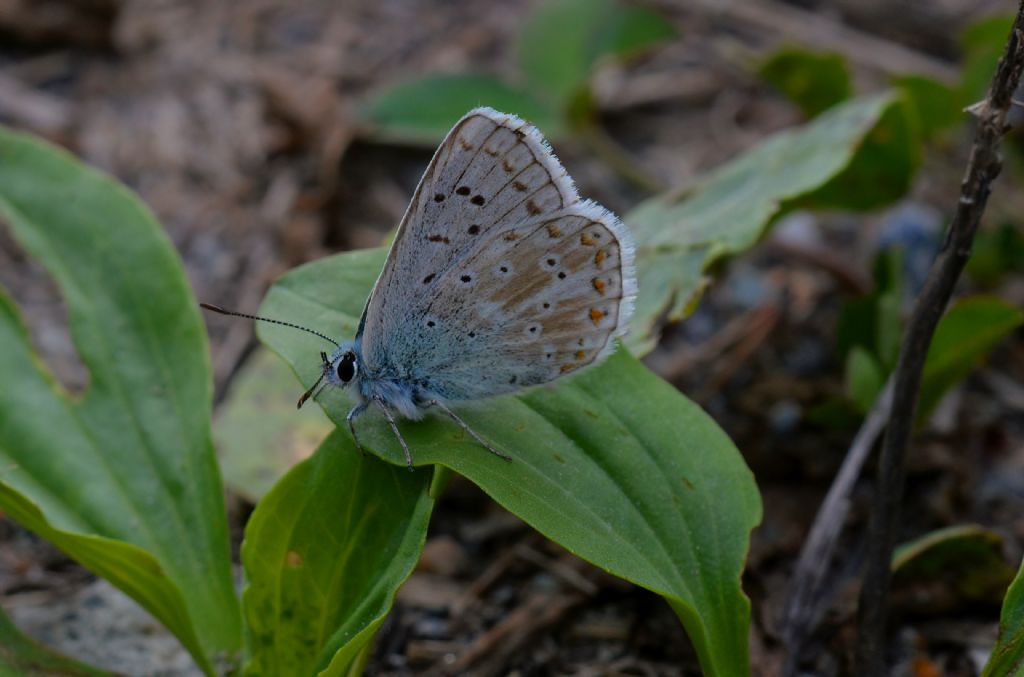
596, 316
580, 355
567, 367
599, 285
553, 230
532, 208
511, 236
599, 257
466, 145
586, 240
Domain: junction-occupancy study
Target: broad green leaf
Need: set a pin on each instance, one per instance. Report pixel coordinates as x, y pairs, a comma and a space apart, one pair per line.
614, 464
968, 332
259, 433
422, 111
827, 162
966, 560
814, 81
21, 655
563, 39
123, 477
864, 378
324, 553
935, 106
1008, 654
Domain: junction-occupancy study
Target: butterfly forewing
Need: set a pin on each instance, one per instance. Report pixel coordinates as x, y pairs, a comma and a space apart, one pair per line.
499, 278
491, 171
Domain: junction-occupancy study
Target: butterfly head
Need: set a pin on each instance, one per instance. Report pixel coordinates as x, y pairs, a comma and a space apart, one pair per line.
339, 370
342, 368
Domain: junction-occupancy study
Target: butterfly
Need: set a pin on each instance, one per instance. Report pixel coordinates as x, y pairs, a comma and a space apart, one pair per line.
500, 278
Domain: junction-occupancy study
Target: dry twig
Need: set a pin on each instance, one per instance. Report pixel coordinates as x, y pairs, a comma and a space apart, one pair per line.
805, 602
982, 168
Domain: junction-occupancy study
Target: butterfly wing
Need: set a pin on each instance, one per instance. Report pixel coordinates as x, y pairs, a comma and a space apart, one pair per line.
535, 302
499, 278
491, 171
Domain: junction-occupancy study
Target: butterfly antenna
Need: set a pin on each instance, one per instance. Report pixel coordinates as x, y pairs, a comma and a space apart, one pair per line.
306, 395
222, 311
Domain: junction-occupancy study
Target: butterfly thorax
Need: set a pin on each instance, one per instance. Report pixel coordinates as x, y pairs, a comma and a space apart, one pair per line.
408, 400
387, 384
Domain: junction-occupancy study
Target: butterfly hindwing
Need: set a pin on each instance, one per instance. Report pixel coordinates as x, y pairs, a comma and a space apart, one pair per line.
533, 303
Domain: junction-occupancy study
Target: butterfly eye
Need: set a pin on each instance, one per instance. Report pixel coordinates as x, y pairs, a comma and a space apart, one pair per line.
347, 367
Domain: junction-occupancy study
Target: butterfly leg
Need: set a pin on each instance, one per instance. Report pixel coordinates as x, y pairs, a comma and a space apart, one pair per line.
465, 426
394, 427
350, 419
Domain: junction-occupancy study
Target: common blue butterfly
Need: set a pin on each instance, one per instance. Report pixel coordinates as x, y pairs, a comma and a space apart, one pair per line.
500, 278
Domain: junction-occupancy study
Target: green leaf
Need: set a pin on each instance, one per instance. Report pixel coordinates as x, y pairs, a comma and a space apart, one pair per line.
21, 655
814, 81
864, 378
324, 553
628, 30
824, 163
935, 106
1008, 654
258, 431
123, 477
875, 322
422, 111
996, 252
889, 330
614, 464
968, 332
964, 560
982, 44
563, 39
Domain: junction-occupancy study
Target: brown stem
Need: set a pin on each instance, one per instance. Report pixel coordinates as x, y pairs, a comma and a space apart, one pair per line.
808, 592
982, 168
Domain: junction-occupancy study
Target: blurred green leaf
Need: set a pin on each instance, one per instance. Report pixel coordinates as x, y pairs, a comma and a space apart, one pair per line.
965, 559
21, 655
935, 106
996, 251
635, 478
421, 112
324, 553
123, 478
883, 167
968, 333
888, 329
864, 378
834, 412
563, 39
628, 29
258, 431
814, 81
1008, 654
827, 162
857, 325
982, 44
